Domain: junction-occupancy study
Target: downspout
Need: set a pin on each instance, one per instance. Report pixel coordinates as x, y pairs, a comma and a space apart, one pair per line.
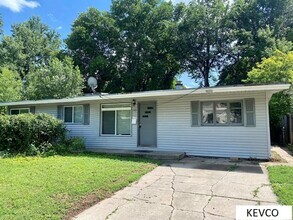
268, 98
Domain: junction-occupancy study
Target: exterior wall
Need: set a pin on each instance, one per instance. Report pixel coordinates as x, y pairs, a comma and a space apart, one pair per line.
91, 132
176, 133
174, 130
48, 109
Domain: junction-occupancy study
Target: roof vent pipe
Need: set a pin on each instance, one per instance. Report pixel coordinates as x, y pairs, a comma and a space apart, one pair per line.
179, 85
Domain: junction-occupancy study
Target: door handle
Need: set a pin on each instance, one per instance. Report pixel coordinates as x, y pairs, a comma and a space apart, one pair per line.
139, 125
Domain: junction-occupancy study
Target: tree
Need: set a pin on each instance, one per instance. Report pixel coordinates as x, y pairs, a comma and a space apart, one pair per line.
58, 79
275, 69
10, 86
260, 26
1, 24
31, 45
145, 48
91, 44
205, 38
128, 49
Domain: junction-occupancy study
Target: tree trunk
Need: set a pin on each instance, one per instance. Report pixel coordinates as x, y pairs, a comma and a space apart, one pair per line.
206, 80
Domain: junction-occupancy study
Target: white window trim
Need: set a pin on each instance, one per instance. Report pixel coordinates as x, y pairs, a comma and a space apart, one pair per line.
29, 111
115, 109
228, 117
73, 110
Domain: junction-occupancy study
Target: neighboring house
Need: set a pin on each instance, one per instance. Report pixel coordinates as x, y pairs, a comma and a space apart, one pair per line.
220, 122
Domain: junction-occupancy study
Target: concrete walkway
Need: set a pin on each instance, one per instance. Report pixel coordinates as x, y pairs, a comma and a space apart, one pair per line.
284, 154
194, 188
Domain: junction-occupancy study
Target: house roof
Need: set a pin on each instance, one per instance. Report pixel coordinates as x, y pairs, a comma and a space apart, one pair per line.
273, 88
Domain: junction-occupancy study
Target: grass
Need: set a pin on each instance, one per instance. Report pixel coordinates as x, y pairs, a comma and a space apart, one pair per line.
281, 178
58, 187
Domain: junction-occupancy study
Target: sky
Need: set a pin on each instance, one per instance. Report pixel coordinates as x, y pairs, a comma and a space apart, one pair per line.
59, 15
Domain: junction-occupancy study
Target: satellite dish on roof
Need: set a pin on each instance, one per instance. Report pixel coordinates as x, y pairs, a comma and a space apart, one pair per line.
93, 83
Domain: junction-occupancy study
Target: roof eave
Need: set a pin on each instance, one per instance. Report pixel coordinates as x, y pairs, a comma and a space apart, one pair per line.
272, 88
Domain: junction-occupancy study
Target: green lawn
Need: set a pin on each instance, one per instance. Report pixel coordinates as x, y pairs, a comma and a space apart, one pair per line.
59, 186
281, 178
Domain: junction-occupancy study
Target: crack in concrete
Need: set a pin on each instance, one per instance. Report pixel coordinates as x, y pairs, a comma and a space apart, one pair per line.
112, 213
212, 195
127, 200
172, 187
226, 197
256, 191
218, 215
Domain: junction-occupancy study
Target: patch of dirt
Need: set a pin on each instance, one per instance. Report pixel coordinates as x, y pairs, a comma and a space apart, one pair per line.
85, 203
61, 197
277, 158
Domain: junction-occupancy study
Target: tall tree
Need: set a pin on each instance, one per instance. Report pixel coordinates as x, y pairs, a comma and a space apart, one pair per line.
275, 69
10, 85
91, 44
32, 44
260, 26
205, 38
58, 79
128, 49
145, 51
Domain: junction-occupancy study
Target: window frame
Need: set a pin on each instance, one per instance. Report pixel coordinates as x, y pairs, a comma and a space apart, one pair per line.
72, 114
115, 109
228, 102
29, 111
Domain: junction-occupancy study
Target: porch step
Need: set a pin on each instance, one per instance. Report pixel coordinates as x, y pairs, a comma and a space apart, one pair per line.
145, 153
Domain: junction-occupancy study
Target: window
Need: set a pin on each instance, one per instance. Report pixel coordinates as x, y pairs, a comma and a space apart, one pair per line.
73, 114
18, 111
208, 113
222, 113
116, 119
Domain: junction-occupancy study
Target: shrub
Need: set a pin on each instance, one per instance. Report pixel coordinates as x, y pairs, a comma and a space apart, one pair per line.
30, 134
74, 144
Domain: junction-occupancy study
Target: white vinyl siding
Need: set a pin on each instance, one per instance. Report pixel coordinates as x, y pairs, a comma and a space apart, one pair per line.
219, 141
48, 109
174, 132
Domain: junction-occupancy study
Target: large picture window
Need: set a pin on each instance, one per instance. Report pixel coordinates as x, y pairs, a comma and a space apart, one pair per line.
116, 119
222, 113
73, 114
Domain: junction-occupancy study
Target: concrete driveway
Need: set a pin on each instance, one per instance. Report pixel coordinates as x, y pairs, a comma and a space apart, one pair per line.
193, 188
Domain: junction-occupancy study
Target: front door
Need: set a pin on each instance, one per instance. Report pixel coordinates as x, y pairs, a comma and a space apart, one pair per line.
147, 124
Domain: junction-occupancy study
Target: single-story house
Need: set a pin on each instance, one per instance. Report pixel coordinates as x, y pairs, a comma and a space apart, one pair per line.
229, 121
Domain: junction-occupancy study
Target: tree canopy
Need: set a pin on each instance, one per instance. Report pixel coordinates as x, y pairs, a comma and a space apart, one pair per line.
205, 38
1, 24
128, 49
58, 79
260, 27
143, 45
275, 69
10, 85
31, 44
33, 53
